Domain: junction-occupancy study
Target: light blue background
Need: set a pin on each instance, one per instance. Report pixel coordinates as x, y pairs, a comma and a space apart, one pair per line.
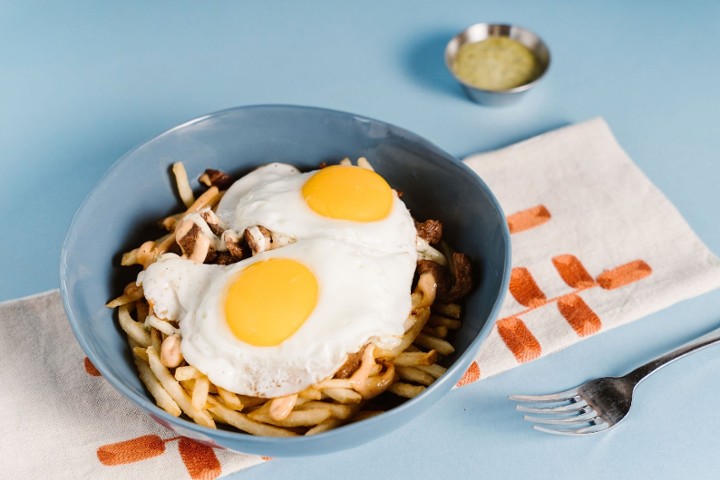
83, 82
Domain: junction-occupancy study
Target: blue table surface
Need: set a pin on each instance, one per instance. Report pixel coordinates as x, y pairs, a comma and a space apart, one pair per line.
83, 82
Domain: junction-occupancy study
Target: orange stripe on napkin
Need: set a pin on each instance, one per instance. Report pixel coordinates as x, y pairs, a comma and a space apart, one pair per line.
624, 274
90, 368
519, 339
524, 289
130, 451
579, 315
199, 459
527, 219
572, 271
472, 374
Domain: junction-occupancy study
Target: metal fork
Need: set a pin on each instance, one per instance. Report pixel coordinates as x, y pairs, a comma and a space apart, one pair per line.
599, 404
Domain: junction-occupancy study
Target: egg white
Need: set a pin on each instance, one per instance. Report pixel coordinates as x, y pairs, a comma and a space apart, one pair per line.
361, 298
271, 196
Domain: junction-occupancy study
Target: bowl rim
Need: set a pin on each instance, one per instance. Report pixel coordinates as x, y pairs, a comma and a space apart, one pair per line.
511, 26
452, 375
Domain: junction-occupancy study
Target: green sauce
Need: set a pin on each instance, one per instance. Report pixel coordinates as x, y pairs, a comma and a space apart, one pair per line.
497, 63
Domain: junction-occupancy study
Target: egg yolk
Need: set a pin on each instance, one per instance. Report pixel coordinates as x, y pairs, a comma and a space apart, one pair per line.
269, 301
346, 192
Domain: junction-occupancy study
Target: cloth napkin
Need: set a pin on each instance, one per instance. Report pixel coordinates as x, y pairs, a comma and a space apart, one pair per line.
61, 420
594, 244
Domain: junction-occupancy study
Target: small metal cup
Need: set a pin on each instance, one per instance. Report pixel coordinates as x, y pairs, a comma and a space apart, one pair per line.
482, 31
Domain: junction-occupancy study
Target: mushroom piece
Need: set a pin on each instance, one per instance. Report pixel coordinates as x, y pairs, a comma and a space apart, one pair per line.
260, 239
430, 230
216, 178
257, 238
235, 244
454, 282
212, 221
194, 245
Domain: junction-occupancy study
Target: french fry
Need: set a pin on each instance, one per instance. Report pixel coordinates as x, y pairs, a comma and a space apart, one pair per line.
362, 162
301, 418
188, 385
440, 321
324, 426
132, 293
229, 399
439, 332
366, 368
366, 379
200, 392
249, 402
175, 390
139, 256
425, 291
343, 395
148, 378
134, 289
187, 372
406, 390
242, 422
183, 184
408, 338
156, 339
412, 374
451, 310
133, 329
365, 414
208, 199
141, 353
443, 347
413, 359
162, 246
262, 408
334, 383
435, 370
169, 222
205, 179
336, 410
127, 259
311, 393
144, 255
377, 384
422, 298
161, 396
162, 325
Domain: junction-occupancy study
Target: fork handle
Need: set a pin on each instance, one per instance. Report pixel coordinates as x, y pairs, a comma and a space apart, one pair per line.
710, 338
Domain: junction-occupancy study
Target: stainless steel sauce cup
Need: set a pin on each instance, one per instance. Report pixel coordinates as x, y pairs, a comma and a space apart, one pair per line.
483, 31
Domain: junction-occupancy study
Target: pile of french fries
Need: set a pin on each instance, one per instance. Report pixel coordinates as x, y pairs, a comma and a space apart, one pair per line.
353, 394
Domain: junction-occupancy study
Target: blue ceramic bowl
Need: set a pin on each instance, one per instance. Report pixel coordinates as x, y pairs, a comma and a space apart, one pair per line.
121, 211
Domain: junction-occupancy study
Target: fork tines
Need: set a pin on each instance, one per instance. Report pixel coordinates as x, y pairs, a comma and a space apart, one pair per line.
563, 413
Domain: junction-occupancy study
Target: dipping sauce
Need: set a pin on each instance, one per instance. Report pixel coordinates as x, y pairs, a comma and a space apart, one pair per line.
497, 63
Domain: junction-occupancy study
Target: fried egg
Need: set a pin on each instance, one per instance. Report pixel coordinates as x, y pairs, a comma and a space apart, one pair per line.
282, 320
347, 203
